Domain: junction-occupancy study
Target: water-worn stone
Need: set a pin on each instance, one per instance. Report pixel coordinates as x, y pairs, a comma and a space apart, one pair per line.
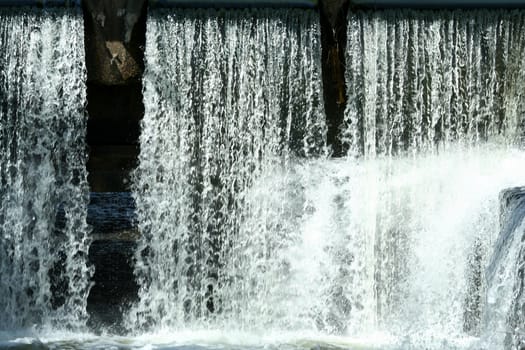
114, 38
505, 273
513, 215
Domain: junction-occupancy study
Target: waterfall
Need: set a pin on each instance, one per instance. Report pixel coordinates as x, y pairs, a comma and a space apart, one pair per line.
44, 192
505, 275
248, 225
418, 80
434, 119
230, 97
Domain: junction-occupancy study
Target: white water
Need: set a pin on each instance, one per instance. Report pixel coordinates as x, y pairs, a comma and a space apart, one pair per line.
190, 340
44, 279
420, 219
254, 239
229, 96
444, 87
418, 79
398, 262
241, 235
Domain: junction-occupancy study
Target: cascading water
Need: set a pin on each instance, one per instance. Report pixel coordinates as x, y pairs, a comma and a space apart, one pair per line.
418, 80
505, 276
435, 105
248, 226
230, 97
43, 231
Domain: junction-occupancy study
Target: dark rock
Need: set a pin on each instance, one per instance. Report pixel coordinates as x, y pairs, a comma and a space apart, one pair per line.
114, 39
508, 262
512, 212
112, 219
332, 9
114, 113
115, 288
109, 167
113, 130
510, 200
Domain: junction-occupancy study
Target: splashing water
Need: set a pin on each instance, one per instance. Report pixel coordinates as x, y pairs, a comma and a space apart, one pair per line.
43, 242
229, 96
247, 226
443, 89
421, 79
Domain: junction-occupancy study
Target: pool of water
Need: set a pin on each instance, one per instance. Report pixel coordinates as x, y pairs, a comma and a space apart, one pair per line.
221, 340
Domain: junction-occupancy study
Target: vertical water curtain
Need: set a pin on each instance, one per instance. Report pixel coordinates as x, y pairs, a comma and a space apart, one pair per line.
43, 187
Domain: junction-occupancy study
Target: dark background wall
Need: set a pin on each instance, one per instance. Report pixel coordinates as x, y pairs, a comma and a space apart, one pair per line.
333, 40
115, 35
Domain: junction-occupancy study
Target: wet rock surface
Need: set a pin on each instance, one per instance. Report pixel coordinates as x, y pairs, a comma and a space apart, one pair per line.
114, 39
512, 218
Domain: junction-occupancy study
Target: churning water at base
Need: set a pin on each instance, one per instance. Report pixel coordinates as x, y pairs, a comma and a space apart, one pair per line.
252, 237
248, 226
384, 255
44, 278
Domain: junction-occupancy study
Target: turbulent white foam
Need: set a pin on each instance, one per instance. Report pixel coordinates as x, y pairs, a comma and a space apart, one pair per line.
43, 243
425, 215
195, 339
241, 235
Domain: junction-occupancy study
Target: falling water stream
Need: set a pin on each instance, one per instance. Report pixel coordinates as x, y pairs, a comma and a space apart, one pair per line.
249, 226
241, 99
43, 232
252, 236
436, 99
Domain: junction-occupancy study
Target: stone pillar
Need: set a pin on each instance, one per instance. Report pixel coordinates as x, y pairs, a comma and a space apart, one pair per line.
115, 37
333, 37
